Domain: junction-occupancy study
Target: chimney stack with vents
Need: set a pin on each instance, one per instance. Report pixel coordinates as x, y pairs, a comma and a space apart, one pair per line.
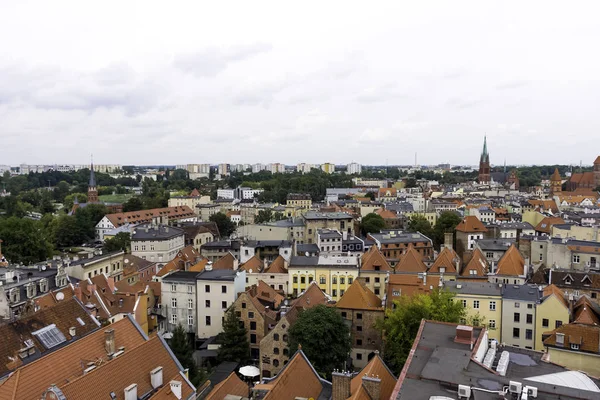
373, 385
340, 382
156, 377
109, 341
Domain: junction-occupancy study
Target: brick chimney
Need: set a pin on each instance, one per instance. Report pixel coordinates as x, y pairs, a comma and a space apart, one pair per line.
448, 240
464, 335
109, 341
77, 293
340, 382
373, 386
110, 281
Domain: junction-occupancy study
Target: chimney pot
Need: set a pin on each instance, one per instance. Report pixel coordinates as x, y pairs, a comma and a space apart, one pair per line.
340, 382
72, 331
109, 341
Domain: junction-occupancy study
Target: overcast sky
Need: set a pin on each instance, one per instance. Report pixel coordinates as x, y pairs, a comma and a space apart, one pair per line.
144, 82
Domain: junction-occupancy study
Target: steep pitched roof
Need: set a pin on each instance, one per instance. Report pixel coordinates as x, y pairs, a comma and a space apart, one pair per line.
254, 264
226, 262
199, 266
30, 381
446, 259
511, 263
375, 368
277, 266
386, 214
585, 312
297, 379
477, 263
359, 297
554, 290
187, 255
545, 225
63, 315
266, 293
312, 296
233, 385
555, 176
374, 260
195, 193
411, 261
471, 224
407, 285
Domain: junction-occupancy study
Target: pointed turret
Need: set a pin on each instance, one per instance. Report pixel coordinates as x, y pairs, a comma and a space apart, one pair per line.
555, 182
484, 164
92, 189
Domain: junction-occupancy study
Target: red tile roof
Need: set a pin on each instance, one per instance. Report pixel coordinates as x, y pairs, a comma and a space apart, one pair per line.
477, 263
511, 263
471, 224
411, 261
277, 266
553, 290
138, 217
255, 264
233, 385
545, 225
447, 259
228, 261
374, 260
375, 368
359, 297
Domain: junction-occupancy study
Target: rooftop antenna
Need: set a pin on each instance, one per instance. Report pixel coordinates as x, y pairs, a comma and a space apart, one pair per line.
415, 158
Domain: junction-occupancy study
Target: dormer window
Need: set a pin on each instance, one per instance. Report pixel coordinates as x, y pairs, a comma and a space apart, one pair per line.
43, 285
31, 290
14, 295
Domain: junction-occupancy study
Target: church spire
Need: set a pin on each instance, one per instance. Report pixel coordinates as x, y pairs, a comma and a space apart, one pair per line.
92, 189
92, 182
484, 154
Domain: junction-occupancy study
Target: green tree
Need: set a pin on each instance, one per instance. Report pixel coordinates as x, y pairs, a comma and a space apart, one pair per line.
226, 227
87, 218
446, 222
401, 323
25, 240
320, 328
278, 216
70, 199
411, 183
370, 195
183, 349
133, 204
419, 223
121, 241
263, 216
372, 223
67, 232
233, 340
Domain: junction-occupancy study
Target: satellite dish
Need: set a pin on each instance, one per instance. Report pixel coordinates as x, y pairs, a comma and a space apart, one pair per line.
60, 296
126, 261
306, 254
43, 267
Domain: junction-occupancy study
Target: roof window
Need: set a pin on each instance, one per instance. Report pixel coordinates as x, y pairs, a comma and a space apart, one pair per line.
50, 336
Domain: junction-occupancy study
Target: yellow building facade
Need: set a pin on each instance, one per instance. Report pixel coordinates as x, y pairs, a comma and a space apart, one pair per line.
331, 277
551, 313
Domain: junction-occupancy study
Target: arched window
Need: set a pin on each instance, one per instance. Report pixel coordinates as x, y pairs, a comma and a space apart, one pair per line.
276, 337
276, 363
276, 350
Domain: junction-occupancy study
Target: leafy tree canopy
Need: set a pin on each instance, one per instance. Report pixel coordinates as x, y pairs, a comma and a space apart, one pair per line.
121, 241
419, 223
263, 216
372, 223
446, 222
183, 349
224, 223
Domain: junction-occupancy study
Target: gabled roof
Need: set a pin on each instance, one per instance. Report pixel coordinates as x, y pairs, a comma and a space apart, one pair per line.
312, 296
30, 381
187, 255
471, 224
511, 263
277, 266
375, 368
585, 312
555, 176
407, 285
63, 316
554, 290
195, 193
411, 261
586, 336
226, 262
374, 260
297, 379
233, 385
359, 297
254, 264
545, 224
266, 293
477, 263
138, 217
446, 259
386, 214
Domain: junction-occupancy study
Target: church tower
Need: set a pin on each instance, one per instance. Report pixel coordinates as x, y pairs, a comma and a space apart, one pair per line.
484, 164
92, 189
597, 172
555, 183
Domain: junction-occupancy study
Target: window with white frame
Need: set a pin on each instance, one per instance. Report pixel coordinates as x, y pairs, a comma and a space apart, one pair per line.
492, 324
576, 258
173, 287
492, 306
464, 303
174, 303
190, 288
174, 319
190, 320
475, 304
190, 304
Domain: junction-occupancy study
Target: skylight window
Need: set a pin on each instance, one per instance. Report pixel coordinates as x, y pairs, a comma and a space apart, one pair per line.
50, 336
80, 321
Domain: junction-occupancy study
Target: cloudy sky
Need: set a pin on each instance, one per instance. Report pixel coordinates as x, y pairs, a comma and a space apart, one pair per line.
141, 82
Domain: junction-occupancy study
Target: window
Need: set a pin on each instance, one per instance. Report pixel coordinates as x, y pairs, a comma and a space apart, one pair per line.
334, 293
302, 279
223, 289
223, 305
541, 257
334, 280
342, 280
174, 303
376, 291
530, 318
575, 258
285, 336
517, 317
574, 346
359, 328
276, 350
190, 320
464, 303
492, 324
517, 305
492, 306
377, 280
358, 315
358, 356
243, 305
207, 288
190, 304
252, 325
190, 288
530, 306
50, 336
475, 304
276, 337
295, 279
250, 314
350, 281
341, 292
516, 332
475, 322
207, 320
557, 324
359, 342
322, 280
286, 352
489, 255
207, 303
344, 314
528, 334
545, 322
367, 280
253, 340
174, 319
173, 287
310, 279
275, 362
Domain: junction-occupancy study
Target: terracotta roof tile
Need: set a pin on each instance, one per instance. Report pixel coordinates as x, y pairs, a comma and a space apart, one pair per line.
254, 264
63, 315
386, 214
374, 260
478, 263
66, 363
407, 285
471, 224
447, 259
233, 385
545, 204
195, 193
188, 255
511, 263
312, 296
375, 367
199, 266
411, 261
277, 266
49, 299
583, 178
554, 290
359, 297
226, 262
138, 217
586, 336
585, 312
555, 176
545, 225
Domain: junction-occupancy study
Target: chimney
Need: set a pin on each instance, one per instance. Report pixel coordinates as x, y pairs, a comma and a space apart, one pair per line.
448, 240
72, 331
109, 341
77, 292
131, 392
373, 385
340, 382
176, 389
156, 377
464, 335
344, 235
424, 278
111, 283
265, 264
